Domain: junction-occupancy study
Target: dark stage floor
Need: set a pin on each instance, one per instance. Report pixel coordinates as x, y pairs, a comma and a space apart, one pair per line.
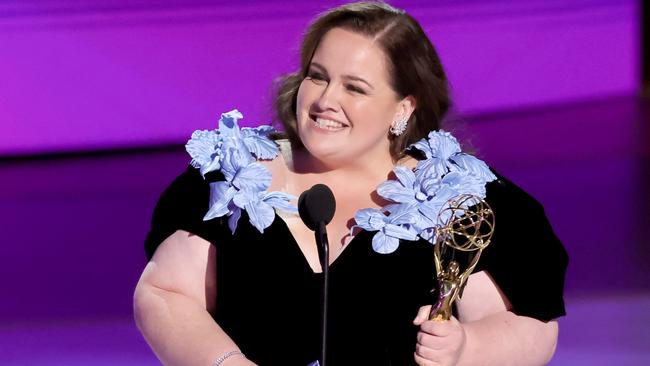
73, 228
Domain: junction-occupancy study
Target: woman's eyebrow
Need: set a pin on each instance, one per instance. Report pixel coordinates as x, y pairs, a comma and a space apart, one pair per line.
347, 76
318, 66
357, 78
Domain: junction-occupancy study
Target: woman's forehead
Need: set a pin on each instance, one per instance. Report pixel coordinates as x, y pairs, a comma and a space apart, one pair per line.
341, 51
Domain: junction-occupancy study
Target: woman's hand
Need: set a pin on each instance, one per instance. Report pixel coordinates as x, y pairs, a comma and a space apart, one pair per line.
438, 342
490, 334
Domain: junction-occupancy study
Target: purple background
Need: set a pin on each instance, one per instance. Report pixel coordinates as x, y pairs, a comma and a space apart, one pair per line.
86, 75
545, 93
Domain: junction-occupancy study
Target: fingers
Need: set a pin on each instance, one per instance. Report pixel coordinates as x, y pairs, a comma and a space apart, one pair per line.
423, 315
440, 328
439, 342
426, 356
423, 361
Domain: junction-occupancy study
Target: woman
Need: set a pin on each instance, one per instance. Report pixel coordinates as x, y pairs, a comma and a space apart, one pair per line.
228, 277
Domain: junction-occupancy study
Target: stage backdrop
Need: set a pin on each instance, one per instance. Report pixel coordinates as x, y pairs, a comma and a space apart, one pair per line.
100, 74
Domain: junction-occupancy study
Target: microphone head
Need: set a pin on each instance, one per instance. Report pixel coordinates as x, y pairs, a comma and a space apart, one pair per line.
315, 205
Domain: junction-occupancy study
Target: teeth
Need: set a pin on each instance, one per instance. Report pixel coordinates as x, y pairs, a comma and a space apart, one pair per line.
328, 124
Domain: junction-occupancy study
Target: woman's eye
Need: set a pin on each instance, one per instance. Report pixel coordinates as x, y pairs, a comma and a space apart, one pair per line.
356, 89
316, 76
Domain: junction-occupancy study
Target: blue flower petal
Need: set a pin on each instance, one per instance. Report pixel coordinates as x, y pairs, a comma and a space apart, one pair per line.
210, 167
370, 219
443, 145
473, 166
220, 195
423, 145
261, 215
394, 191
228, 123
261, 147
280, 200
461, 182
234, 159
233, 219
439, 144
258, 143
203, 147
405, 176
202, 143
430, 185
384, 244
254, 177
393, 207
405, 232
430, 210
404, 214
431, 168
261, 130
429, 234
422, 222
245, 196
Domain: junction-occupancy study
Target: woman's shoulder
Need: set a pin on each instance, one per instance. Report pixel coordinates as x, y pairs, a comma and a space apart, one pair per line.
526, 259
505, 195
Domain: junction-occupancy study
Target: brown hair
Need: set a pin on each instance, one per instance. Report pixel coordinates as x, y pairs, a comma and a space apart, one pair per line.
414, 67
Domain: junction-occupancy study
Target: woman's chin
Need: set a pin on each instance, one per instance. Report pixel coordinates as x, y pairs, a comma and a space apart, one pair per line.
325, 143
325, 153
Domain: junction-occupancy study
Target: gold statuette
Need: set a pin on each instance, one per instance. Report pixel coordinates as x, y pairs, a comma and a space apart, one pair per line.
459, 243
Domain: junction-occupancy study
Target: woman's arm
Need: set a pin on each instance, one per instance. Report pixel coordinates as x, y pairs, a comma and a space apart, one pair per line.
487, 334
172, 301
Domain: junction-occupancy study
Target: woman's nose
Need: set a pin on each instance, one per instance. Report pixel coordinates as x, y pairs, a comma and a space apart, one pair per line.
328, 99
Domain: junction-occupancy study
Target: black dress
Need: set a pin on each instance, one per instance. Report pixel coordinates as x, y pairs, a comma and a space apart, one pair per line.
268, 297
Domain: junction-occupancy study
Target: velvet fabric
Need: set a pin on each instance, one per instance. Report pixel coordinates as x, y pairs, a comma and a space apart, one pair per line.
268, 298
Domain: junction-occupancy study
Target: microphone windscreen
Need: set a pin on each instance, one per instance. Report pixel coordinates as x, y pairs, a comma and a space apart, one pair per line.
315, 205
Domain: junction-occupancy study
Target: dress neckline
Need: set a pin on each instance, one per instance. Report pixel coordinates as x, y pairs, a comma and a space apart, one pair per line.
305, 262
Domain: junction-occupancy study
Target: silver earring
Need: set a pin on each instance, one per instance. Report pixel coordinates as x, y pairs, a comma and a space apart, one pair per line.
398, 127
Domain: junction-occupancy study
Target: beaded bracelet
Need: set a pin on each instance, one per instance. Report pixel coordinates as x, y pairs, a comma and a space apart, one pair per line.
226, 355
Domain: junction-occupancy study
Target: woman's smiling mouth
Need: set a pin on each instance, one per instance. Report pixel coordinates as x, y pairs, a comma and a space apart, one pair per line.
328, 124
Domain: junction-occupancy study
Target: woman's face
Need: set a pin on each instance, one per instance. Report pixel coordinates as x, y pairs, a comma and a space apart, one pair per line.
345, 105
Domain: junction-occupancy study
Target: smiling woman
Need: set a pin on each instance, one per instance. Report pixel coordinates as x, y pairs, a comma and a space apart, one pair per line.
347, 95
383, 47
234, 275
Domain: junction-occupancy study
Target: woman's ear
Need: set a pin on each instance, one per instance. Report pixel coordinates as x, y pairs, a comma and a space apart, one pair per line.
405, 108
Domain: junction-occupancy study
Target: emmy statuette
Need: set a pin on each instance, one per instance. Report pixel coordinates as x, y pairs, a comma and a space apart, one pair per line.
468, 230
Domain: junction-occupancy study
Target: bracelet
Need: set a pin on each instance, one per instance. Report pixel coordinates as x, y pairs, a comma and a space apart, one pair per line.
226, 355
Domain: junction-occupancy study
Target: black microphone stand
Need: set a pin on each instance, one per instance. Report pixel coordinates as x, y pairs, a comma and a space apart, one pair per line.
323, 254
316, 207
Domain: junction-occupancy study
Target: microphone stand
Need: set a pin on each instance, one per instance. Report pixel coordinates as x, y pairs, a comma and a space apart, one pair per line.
323, 254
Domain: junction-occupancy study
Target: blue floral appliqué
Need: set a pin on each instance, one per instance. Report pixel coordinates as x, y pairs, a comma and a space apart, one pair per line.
419, 197
235, 152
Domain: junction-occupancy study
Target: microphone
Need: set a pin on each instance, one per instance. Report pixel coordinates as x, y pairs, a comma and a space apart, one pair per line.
316, 207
